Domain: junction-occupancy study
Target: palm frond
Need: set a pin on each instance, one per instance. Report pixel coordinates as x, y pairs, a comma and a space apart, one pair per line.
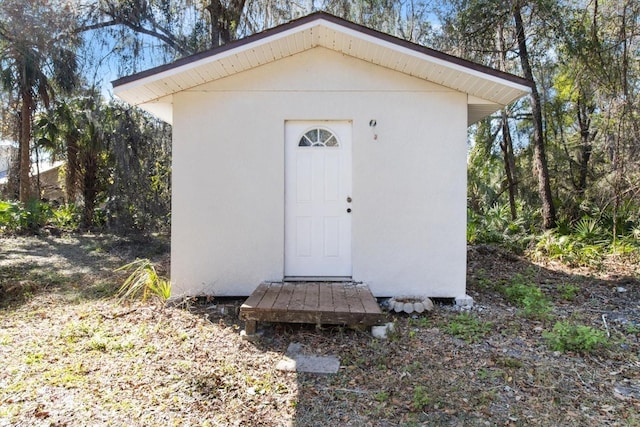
143, 282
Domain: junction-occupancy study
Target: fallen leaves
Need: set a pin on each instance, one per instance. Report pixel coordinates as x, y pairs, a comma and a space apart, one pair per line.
86, 361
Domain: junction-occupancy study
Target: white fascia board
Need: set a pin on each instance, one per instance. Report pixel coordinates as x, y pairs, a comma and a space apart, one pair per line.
121, 90
425, 57
213, 58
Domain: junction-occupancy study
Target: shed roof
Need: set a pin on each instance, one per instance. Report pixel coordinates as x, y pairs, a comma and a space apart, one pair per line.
488, 89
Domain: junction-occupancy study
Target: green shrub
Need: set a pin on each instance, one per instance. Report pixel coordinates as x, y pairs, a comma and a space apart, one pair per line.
66, 217
9, 216
569, 249
588, 241
567, 336
494, 225
28, 218
588, 229
35, 215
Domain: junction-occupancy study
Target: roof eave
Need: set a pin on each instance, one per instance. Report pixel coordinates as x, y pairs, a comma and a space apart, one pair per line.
154, 86
318, 17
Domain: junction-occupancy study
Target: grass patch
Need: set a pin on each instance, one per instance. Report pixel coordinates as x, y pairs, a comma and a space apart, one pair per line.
509, 362
467, 327
568, 292
420, 398
529, 298
567, 336
67, 376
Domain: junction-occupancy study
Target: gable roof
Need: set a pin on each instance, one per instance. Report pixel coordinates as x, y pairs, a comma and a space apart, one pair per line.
488, 89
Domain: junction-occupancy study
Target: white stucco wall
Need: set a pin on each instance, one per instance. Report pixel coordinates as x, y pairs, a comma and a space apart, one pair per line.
409, 184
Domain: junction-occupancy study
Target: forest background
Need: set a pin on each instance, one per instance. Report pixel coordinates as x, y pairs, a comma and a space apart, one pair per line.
555, 174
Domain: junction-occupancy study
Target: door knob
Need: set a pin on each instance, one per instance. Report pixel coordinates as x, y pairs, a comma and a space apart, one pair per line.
348, 199
348, 210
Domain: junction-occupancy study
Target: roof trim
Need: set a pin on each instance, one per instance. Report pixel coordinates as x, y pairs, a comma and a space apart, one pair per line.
335, 20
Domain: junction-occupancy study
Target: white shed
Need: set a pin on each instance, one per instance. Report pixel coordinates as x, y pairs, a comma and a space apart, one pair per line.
320, 150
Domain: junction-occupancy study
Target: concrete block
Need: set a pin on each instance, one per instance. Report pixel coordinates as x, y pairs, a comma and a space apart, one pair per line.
381, 332
464, 301
312, 364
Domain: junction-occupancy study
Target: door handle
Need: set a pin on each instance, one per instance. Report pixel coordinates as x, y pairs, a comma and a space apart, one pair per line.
348, 210
348, 199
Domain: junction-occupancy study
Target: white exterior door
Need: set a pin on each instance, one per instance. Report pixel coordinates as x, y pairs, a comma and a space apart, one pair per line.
318, 199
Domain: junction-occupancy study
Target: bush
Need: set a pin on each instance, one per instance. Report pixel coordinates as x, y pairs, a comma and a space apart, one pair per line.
588, 241
567, 336
420, 398
495, 226
568, 292
29, 218
66, 217
9, 216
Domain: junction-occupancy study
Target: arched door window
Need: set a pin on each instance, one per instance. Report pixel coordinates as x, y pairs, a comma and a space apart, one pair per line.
318, 137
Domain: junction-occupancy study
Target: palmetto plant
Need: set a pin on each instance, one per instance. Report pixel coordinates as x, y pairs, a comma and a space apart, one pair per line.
588, 229
143, 282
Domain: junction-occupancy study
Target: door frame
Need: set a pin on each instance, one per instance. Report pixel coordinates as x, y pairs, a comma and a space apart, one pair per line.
343, 129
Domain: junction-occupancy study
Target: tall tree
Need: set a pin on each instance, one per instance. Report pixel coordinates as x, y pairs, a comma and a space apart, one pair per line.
34, 63
506, 144
493, 32
59, 131
539, 155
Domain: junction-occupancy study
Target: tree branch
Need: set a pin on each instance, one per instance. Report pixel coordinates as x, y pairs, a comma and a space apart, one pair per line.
96, 26
169, 40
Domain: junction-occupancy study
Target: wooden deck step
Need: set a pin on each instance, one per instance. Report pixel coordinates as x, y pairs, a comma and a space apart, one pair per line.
342, 303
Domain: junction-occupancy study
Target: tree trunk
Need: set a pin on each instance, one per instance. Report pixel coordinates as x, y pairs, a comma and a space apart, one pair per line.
71, 178
506, 145
507, 142
539, 156
224, 20
586, 139
25, 146
89, 189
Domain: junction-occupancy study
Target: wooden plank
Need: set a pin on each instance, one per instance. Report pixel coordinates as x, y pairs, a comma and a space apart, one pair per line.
256, 296
353, 299
340, 304
312, 296
325, 302
318, 317
270, 296
315, 317
283, 298
319, 303
298, 297
368, 301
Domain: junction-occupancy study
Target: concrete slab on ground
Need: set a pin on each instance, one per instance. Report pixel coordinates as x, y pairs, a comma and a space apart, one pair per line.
294, 361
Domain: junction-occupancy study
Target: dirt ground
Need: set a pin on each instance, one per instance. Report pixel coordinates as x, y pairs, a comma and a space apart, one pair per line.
70, 355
